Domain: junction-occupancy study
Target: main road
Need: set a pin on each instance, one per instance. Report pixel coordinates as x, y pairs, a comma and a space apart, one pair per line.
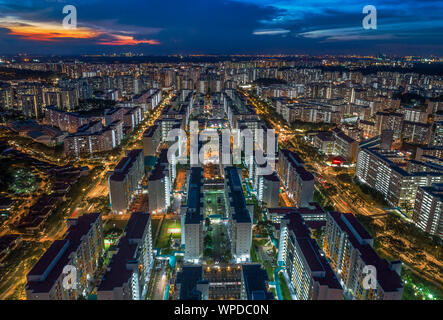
96, 187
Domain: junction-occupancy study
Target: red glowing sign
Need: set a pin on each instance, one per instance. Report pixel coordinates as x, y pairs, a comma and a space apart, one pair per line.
336, 161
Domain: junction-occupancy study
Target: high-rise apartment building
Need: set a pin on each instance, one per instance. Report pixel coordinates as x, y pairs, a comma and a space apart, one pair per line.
66, 268
298, 182
160, 185
268, 189
436, 139
151, 141
349, 247
193, 216
428, 209
389, 121
308, 273
129, 271
93, 138
398, 186
125, 180
240, 216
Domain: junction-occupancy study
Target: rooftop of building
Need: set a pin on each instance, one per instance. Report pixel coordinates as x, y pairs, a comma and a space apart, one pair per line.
123, 167
195, 196
150, 131
238, 202
255, 280
340, 134
118, 272
418, 124
426, 164
293, 157
365, 122
390, 114
304, 174
311, 252
394, 166
272, 177
436, 191
325, 136
188, 278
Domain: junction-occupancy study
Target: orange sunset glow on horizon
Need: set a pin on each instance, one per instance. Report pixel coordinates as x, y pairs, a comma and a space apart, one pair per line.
51, 32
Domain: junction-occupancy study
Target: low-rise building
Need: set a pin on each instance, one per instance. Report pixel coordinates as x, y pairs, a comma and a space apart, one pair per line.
190, 284
298, 182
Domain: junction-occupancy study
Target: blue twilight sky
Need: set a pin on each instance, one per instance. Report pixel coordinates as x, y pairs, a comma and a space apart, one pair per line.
159, 27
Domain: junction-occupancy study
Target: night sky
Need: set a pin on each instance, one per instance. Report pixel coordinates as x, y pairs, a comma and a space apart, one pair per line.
158, 27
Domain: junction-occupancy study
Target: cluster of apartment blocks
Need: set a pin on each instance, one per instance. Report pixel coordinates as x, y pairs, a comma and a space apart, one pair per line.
309, 274
94, 134
353, 133
374, 114
370, 91
31, 98
238, 111
413, 125
238, 212
337, 269
414, 187
336, 143
90, 134
161, 179
243, 117
329, 111
174, 116
69, 267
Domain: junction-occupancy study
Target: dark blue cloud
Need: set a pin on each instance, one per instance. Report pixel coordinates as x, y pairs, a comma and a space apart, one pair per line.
238, 26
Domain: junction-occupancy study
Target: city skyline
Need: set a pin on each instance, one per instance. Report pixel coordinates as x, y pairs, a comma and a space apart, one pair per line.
221, 150
221, 27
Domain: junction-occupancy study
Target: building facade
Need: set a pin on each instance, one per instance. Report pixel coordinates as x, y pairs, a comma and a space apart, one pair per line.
349, 247
129, 271
68, 266
125, 180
